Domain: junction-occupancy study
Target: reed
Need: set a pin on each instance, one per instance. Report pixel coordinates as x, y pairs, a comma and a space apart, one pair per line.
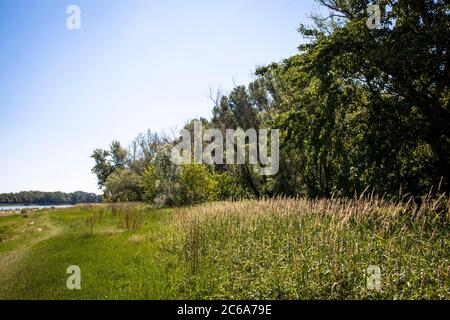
315, 248
129, 216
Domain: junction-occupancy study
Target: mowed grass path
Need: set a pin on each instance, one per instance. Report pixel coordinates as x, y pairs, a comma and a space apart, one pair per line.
115, 263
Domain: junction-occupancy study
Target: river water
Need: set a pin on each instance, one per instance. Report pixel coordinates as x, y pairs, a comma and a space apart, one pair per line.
18, 208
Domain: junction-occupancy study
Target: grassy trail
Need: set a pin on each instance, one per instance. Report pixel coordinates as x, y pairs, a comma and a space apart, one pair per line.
18, 236
114, 263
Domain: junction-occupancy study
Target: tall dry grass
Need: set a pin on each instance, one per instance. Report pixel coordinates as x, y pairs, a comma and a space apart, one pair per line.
128, 216
313, 248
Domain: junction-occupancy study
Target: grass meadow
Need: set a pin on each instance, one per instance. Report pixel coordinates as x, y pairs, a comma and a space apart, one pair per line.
262, 249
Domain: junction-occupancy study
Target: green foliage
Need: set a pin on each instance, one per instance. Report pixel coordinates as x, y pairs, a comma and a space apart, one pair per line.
365, 108
106, 162
229, 186
118, 155
196, 185
48, 198
123, 186
168, 176
149, 184
356, 108
103, 168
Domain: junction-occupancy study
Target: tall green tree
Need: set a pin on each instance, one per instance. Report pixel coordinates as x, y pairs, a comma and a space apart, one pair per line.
365, 107
102, 168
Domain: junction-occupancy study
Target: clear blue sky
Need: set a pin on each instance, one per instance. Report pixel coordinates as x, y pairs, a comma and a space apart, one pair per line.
135, 64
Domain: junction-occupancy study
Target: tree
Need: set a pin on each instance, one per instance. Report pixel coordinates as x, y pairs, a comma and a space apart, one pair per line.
103, 168
48, 198
122, 186
357, 107
403, 68
106, 162
149, 184
118, 155
366, 108
196, 185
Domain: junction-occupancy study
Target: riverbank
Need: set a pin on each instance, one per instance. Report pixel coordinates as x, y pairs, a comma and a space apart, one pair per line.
19, 207
14, 210
9, 213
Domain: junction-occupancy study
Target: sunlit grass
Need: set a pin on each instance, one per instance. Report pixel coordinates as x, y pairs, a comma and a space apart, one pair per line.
115, 262
267, 249
313, 249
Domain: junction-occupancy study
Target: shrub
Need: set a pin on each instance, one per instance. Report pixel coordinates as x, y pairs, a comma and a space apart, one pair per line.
196, 185
122, 186
149, 184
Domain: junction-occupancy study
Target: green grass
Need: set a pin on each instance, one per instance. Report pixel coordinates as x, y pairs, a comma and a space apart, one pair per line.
279, 249
313, 249
115, 263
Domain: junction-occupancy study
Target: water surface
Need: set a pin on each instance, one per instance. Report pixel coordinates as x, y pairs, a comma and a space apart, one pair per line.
32, 206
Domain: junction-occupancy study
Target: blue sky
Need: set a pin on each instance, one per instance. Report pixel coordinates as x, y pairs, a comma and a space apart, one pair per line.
134, 65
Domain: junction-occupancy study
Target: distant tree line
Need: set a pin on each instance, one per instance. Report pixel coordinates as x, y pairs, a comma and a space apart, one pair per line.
357, 109
48, 198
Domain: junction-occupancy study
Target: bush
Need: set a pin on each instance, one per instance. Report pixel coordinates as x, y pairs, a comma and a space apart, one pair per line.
196, 185
122, 186
149, 184
229, 187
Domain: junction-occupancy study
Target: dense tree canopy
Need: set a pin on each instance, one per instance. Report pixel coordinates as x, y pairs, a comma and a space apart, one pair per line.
367, 108
358, 108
